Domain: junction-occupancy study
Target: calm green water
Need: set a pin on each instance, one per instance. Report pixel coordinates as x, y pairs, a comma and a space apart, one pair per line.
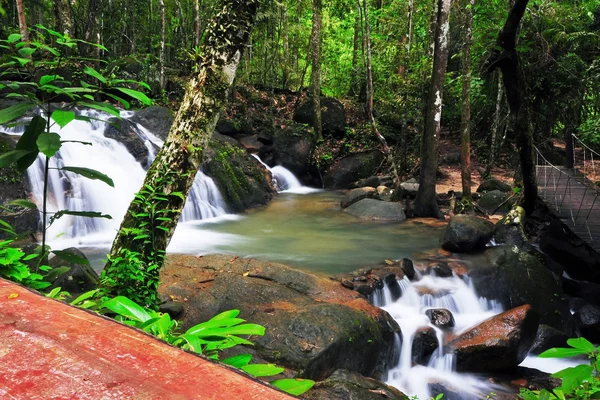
308, 231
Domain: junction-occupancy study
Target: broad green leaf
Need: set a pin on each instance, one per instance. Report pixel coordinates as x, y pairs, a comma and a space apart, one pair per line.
194, 342
50, 31
15, 37
48, 78
13, 112
125, 307
62, 117
295, 387
51, 50
121, 100
23, 203
11, 157
49, 143
223, 323
560, 352
574, 376
90, 174
92, 72
245, 329
259, 370
22, 61
28, 142
70, 257
84, 296
225, 314
53, 293
26, 51
136, 95
56, 272
581, 344
238, 361
88, 214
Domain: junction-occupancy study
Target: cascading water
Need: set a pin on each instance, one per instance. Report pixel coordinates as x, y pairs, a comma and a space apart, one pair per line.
429, 292
285, 180
71, 191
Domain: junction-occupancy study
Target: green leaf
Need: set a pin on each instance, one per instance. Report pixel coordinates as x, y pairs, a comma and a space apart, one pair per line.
11, 157
13, 112
23, 203
88, 214
121, 100
70, 257
90, 174
62, 117
238, 361
560, 352
194, 342
92, 72
245, 329
259, 370
27, 51
22, 61
49, 143
125, 307
15, 37
574, 376
48, 78
84, 296
102, 107
581, 344
295, 387
28, 142
136, 95
53, 293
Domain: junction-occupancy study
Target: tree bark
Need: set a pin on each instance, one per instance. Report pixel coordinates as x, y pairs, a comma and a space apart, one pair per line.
196, 23
161, 55
285, 73
22, 20
316, 66
465, 119
426, 202
495, 147
506, 58
172, 172
355, 79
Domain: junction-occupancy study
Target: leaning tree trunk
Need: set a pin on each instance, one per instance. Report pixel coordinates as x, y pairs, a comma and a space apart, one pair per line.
316, 67
138, 251
426, 202
465, 120
22, 20
506, 58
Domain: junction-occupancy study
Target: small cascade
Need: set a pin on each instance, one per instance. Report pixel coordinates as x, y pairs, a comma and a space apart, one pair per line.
455, 294
285, 181
73, 192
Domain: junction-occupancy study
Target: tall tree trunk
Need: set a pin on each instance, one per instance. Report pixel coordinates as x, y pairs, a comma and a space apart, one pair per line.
316, 66
22, 20
196, 23
465, 120
153, 215
406, 41
132, 25
62, 16
495, 148
285, 73
506, 58
369, 108
161, 56
356, 78
426, 202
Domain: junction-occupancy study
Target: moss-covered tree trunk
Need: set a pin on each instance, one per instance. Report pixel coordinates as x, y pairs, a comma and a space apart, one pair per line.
138, 251
465, 118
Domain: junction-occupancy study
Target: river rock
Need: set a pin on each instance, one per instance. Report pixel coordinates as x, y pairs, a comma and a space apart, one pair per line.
509, 230
293, 148
79, 278
352, 168
490, 202
333, 116
440, 269
406, 189
514, 277
368, 280
377, 210
588, 322
251, 144
314, 324
425, 342
156, 119
374, 181
588, 291
440, 317
126, 133
356, 195
499, 343
242, 180
384, 193
408, 267
227, 127
493, 184
466, 233
347, 385
546, 338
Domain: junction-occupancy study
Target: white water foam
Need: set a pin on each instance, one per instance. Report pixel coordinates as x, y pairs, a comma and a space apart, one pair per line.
285, 181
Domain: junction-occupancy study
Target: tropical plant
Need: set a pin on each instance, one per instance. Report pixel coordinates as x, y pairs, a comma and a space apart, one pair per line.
579, 382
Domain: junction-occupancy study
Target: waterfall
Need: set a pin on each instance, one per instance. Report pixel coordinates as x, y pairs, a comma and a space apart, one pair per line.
285, 181
67, 190
455, 294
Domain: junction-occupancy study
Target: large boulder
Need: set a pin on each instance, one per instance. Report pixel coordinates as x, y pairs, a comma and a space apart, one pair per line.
514, 277
293, 147
156, 119
493, 202
333, 116
546, 338
466, 233
377, 210
242, 180
499, 343
352, 168
314, 324
355, 195
80, 276
425, 342
125, 132
347, 385
493, 184
588, 322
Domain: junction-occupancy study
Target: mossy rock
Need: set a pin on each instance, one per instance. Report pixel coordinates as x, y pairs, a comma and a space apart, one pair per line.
352, 168
242, 180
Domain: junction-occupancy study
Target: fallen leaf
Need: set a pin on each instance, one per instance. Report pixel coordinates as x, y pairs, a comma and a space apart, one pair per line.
13, 296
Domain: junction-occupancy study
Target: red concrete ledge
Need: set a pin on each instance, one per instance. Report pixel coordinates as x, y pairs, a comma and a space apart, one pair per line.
50, 350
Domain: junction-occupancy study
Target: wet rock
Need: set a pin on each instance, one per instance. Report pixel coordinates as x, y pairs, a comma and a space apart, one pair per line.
522, 377
408, 268
333, 116
352, 168
465, 233
173, 308
441, 317
126, 133
343, 384
440, 269
493, 184
548, 337
156, 119
356, 195
369, 279
499, 343
491, 202
79, 278
293, 148
377, 210
315, 325
514, 277
588, 291
588, 322
425, 342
